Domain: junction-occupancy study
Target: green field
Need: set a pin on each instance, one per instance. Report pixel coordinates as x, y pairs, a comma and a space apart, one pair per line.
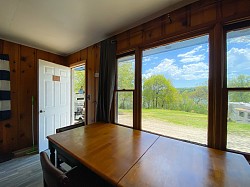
193, 120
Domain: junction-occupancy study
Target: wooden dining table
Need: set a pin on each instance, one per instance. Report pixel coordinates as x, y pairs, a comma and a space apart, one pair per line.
132, 158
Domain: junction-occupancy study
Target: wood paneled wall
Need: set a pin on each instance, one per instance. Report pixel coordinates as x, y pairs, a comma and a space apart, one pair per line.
16, 133
91, 56
197, 16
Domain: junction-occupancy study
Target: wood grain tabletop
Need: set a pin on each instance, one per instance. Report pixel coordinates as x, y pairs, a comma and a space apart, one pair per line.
175, 163
107, 149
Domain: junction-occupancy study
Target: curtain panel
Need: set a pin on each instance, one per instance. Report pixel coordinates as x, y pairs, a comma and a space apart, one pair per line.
106, 79
5, 103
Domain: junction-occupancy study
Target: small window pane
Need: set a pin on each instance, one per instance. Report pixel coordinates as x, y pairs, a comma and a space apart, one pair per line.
238, 125
125, 108
126, 73
238, 59
241, 114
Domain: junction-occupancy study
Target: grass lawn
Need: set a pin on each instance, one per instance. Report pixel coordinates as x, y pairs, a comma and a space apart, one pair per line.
188, 119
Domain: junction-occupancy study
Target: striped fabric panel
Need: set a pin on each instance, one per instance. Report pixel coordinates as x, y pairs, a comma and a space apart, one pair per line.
4, 85
5, 104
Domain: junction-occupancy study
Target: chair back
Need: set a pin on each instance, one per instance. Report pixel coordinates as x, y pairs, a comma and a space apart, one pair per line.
52, 176
76, 125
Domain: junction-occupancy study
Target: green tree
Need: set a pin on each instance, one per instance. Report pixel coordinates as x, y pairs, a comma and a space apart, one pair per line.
195, 99
186, 103
125, 81
158, 92
241, 81
200, 95
125, 76
79, 80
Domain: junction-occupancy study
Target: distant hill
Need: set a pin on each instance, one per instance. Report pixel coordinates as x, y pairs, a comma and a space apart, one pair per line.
181, 90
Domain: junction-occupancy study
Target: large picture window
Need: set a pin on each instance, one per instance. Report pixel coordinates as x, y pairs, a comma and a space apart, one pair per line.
238, 88
195, 89
175, 89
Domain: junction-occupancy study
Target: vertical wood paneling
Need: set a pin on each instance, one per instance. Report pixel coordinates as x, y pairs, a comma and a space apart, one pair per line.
123, 41
176, 21
153, 30
189, 18
76, 58
96, 79
135, 36
92, 67
10, 127
1, 46
28, 82
203, 12
83, 54
73, 58
235, 9
15, 133
50, 57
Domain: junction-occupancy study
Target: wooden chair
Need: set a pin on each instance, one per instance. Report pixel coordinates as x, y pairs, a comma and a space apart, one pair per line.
59, 157
76, 125
76, 177
53, 177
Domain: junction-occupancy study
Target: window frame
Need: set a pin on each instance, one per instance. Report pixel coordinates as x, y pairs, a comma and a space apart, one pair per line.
116, 91
137, 97
217, 92
227, 90
172, 41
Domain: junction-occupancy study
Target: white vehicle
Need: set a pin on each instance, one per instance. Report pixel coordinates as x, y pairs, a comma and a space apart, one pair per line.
79, 109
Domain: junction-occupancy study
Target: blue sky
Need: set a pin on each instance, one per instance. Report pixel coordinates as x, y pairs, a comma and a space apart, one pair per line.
238, 53
186, 63
185, 67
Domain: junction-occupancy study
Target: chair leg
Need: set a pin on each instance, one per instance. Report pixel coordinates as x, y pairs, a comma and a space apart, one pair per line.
44, 183
58, 162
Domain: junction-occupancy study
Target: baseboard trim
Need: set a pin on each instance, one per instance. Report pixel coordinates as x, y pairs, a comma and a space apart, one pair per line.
25, 151
5, 157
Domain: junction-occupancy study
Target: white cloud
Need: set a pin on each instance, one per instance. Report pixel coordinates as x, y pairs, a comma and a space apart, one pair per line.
242, 39
149, 58
192, 56
146, 59
186, 72
194, 71
163, 67
196, 58
239, 57
238, 61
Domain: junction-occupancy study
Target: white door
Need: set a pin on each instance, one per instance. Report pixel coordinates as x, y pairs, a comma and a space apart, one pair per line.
54, 100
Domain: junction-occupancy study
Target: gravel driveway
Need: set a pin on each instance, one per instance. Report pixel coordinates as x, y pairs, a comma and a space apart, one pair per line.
235, 141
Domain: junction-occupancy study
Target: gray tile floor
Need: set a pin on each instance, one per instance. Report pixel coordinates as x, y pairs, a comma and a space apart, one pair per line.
24, 171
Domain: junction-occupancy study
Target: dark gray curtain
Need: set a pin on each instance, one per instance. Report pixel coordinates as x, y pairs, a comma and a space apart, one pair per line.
106, 79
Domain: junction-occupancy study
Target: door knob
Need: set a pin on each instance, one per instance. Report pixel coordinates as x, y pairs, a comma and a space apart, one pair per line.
41, 111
